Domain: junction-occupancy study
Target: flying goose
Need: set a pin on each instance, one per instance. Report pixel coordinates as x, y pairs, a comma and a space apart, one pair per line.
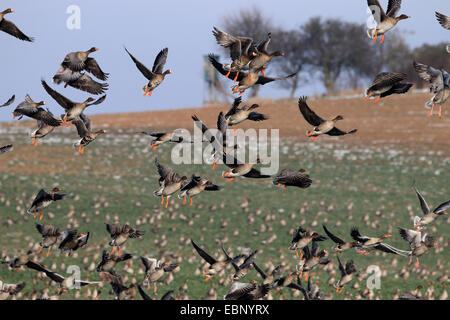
155, 270
80, 60
10, 28
194, 187
292, 178
347, 272
83, 125
10, 101
386, 84
80, 81
237, 115
428, 215
43, 199
419, 243
169, 182
120, 234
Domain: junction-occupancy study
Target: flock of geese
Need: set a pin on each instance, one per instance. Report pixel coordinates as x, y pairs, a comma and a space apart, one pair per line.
249, 59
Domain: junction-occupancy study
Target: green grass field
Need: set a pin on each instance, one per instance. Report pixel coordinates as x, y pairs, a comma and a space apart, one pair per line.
369, 188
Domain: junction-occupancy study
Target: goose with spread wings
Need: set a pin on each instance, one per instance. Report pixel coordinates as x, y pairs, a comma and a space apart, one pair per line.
154, 270
169, 182
162, 137
34, 110
263, 57
246, 80
312, 258
238, 114
73, 109
428, 215
292, 178
219, 140
22, 260
239, 169
419, 243
268, 278
241, 52
155, 76
444, 21
10, 101
10, 28
241, 270
439, 81
83, 125
120, 234
372, 243
386, 84
109, 262
195, 186
80, 81
73, 240
215, 266
303, 238
321, 126
247, 291
79, 60
347, 272
6, 148
42, 130
50, 236
385, 20
43, 199
341, 245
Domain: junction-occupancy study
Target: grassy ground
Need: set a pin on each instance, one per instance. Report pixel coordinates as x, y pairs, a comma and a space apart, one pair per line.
352, 186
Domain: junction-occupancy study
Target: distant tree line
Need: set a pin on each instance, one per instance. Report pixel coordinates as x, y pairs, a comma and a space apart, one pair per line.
337, 53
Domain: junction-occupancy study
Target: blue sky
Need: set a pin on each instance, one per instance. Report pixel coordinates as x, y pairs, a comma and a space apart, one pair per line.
146, 27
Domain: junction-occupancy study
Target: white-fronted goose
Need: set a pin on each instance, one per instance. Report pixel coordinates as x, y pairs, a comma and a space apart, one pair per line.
292, 178
372, 243
341, 245
22, 260
6, 148
109, 261
386, 84
155, 270
72, 241
43, 199
10, 101
247, 291
10, 289
385, 20
312, 258
218, 141
321, 126
169, 182
10, 28
239, 169
418, 242
240, 52
80, 81
34, 110
120, 234
41, 131
50, 236
312, 291
196, 186
121, 291
237, 115
263, 57
443, 19
156, 76
439, 81
83, 125
428, 215
241, 270
303, 238
73, 109
214, 265
346, 274
267, 278
80, 60
246, 80
161, 137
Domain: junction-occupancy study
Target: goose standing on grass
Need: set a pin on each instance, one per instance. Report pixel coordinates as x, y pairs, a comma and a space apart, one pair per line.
83, 125
428, 215
439, 85
6, 148
237, 115
161, 137
156, 76
196, 186
385, 20
215, 266
73, 109
386, 84
239, 169
155, 270
50, 236
43, 199
241, 52
418, 242
219, 141
10, 28
33, 110
169, 182
80, 60
10, 101
346, 274
321, 126
341, 245
80, 81
246, 80
8, 289
120, 235
303, 238
263, 57
73, 241
108, 263
444, 20
43, 129
292, 178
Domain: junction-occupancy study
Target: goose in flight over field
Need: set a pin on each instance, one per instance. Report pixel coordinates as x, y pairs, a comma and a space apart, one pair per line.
83, 125
156, 76
419, 243
239, 169
10, 101
321, 126
161, 137
292, 178
372, 243
10, 28
386, 84
169, 182
347, 272
80, 60
428, 215
247, 291
50, 236
155, 270
237, 115
73, 240
34, 110
6, 148
385, 21
444, 20
120, 235
196, 186
263, 57
303, 238
43, 199
341, 245
109, 261
80, 81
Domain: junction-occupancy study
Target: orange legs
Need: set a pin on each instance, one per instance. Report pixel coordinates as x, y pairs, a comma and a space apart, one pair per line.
382, 39
235, 89
369, 95
417, 263
184, 201
113, 249
48, 252
234, 128
262, 72
208, 278
314, 138
145, 92
226, 173
440, 110
410, 260
190, 203
242, 92
150, 93
153, 147
35, 213
306, 277
167, 202
162, 199
214, 165
40, 250
118, 251
235, 78
376, 36
228, 74
41, 216
309, 134
80, 149
377, 99
284, 188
